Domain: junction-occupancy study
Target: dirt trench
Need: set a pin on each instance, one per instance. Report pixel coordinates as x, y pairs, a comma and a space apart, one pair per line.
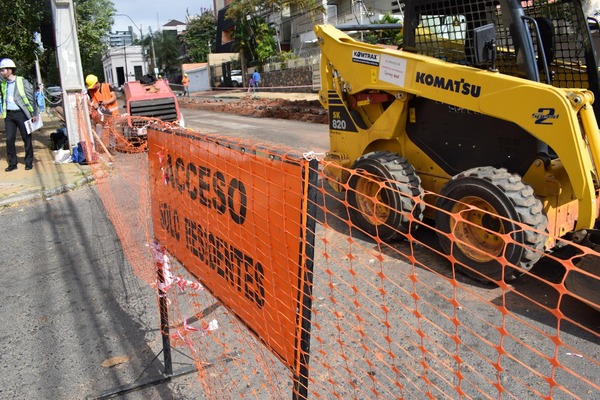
297, 110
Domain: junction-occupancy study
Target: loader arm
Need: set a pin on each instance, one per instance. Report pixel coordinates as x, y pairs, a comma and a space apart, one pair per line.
561, 118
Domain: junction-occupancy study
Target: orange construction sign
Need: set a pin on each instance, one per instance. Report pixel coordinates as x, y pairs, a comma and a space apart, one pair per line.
233, 216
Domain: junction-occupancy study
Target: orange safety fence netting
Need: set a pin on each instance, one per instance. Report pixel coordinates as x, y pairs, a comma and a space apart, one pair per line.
390, 319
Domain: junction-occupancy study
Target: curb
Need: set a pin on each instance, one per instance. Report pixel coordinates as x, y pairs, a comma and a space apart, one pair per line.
37, 194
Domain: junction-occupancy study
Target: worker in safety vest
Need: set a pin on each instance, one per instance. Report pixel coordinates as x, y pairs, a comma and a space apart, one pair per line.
185, 81
18, 106
102, 96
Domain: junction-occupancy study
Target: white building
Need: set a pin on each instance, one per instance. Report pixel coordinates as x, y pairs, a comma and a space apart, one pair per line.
174, 26
124, 64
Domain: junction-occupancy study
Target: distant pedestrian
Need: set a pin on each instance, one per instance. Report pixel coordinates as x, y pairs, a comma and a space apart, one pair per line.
40, 98
185, 81
256, 77
18, 106
251, 85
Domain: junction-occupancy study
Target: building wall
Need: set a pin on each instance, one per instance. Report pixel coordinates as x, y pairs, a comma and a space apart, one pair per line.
225, 28
299, 80
124, 64
220, 58
295, 26
178, 29
199, 80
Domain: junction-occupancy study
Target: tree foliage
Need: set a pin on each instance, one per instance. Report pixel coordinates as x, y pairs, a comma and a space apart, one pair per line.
253, 37
94, 21
387, 36
23, 20
167, 50
266, 46
199, 37
242, 8
20, 20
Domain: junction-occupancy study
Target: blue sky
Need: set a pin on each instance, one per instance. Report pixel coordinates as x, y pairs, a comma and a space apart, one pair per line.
155, 13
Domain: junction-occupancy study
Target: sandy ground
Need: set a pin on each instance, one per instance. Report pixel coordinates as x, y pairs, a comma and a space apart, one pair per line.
298, 110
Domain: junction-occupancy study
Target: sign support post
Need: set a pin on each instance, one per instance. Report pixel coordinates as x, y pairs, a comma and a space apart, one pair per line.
305, 284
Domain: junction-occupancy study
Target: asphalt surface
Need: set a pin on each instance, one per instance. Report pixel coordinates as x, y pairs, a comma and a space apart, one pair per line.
71, 303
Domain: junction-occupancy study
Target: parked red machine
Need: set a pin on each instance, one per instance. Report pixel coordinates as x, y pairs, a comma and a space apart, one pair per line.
152, 100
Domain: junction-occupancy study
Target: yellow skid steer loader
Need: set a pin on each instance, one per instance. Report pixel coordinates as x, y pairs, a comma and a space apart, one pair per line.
487, 104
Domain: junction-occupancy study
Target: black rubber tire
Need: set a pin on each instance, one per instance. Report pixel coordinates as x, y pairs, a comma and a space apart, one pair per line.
396, 199
499, 193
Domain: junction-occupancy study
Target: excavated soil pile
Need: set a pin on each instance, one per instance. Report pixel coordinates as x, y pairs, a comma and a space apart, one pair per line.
298, 110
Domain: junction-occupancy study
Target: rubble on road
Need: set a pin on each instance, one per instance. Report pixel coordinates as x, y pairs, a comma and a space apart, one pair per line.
297, 110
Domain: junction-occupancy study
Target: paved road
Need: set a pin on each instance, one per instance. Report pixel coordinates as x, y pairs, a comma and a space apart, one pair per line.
71, 302
298, 135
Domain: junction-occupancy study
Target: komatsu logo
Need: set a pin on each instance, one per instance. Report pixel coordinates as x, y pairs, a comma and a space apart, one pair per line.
452, 85
365, 58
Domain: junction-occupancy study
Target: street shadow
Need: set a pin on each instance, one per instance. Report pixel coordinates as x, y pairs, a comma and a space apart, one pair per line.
533, 295
85, 295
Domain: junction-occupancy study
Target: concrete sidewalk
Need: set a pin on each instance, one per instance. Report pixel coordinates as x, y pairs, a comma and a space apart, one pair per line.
46, 179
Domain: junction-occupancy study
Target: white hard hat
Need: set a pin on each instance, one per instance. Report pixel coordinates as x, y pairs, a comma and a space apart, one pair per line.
7, 63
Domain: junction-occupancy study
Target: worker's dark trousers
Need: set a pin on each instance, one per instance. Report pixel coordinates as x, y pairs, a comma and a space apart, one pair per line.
16, 120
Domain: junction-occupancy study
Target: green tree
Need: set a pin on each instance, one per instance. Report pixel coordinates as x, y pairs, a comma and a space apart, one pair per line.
253, 38
266, 46
21, 19
243, 39
242, 9
94, 22
168, 51
387, 36
199, 36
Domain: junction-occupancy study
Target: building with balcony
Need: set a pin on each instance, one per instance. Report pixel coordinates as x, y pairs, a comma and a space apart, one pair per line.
294, 26
122, 38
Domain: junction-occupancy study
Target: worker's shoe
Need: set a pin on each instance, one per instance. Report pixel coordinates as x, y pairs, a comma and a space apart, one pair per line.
10, 168
28, 167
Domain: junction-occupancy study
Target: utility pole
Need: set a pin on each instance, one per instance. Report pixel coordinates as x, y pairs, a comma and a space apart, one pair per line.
38, 74
126, 71
69, 67
153, 55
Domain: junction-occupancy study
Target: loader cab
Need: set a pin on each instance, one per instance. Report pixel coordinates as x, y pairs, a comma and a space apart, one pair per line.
540, 40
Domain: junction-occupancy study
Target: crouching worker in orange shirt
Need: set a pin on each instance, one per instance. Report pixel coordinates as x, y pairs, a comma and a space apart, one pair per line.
104, 109
103, 100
